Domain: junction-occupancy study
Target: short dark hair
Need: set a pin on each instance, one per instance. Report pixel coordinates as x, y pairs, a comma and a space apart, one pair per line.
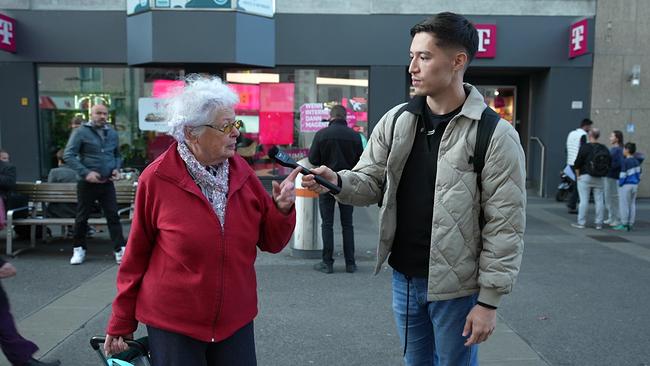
619, 136
338, 112
631, 147
451, 30
586, 122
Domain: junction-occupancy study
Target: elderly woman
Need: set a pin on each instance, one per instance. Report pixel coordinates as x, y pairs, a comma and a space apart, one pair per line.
200, 214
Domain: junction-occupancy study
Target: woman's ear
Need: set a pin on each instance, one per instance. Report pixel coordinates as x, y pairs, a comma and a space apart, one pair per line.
187, 132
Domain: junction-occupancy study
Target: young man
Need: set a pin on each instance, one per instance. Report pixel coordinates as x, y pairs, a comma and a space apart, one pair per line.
591, 166
449, 275
574, 141
93, 152
338, 147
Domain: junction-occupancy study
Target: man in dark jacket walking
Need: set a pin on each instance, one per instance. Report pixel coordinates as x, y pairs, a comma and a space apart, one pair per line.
338, 147
93, 152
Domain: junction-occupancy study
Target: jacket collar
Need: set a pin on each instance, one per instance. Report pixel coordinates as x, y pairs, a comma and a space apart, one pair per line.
172, 168
472, 108
338, 121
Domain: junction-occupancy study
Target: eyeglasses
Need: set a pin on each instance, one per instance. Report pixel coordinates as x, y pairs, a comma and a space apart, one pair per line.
228, 127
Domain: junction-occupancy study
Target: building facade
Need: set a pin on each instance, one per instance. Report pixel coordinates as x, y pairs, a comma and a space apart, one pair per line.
287, 66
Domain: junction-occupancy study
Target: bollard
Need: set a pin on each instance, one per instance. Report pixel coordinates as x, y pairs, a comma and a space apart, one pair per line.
306, 239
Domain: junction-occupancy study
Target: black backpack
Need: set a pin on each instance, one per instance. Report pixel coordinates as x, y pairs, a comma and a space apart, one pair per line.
484, 132
599, 161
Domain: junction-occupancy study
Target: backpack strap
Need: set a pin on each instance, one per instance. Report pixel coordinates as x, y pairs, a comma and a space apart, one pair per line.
486, 126
390, 146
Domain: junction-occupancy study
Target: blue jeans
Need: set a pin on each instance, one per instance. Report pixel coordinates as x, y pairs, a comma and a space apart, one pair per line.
434, 328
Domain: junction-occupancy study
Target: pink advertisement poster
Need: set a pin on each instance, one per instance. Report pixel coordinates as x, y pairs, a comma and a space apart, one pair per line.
249, 97
276, 113
276, 97
276, 128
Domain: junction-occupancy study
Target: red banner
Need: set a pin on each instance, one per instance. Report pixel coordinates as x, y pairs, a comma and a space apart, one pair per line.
487, 40
578, 39
7, 33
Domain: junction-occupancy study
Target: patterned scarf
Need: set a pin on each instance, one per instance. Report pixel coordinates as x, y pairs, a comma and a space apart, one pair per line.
213, 180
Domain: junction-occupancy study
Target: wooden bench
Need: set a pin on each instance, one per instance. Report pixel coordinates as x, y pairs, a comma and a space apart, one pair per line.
41, 194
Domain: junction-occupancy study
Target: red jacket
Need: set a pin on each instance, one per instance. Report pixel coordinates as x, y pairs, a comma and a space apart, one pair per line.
181, 272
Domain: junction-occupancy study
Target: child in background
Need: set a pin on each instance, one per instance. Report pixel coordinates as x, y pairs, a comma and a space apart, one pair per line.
628, 184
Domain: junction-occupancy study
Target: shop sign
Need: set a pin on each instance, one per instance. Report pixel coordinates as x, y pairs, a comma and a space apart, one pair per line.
7, 33
259, 7
487, 40
315, 117
578, 39
151, 114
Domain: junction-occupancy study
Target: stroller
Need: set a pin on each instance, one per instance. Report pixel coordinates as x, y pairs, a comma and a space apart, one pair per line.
136, 355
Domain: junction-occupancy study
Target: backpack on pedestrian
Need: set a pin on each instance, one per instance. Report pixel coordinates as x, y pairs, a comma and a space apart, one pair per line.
599, 162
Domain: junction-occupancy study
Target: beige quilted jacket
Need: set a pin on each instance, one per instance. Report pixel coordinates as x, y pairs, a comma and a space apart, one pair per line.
460, 262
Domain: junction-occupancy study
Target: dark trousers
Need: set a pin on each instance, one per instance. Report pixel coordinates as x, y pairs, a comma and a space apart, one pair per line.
573, 198
17, 349
87, 194
173, 349
326, 204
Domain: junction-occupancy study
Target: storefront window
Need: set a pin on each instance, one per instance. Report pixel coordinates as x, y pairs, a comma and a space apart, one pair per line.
287, 106
66, 95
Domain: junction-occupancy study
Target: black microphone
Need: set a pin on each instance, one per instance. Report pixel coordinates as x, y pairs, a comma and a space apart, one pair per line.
286, 160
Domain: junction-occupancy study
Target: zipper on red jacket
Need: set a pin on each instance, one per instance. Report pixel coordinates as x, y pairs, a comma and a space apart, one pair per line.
223, 260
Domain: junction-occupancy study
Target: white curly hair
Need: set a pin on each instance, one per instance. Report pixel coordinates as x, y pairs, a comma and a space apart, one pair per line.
197, 103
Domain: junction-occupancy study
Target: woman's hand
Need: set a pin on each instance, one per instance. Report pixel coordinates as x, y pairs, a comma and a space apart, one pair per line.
116, 344
284, 194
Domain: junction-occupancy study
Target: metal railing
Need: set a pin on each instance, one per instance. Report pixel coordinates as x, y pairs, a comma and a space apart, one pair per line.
542, 165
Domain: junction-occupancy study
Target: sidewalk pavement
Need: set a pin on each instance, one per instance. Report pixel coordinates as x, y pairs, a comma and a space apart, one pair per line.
306, 317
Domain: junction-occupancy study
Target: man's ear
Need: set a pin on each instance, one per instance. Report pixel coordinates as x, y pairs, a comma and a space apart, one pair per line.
460, 61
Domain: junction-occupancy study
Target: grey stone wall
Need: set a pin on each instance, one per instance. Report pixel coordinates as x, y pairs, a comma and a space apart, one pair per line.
623, 40
486, 7
469, 7
63, 4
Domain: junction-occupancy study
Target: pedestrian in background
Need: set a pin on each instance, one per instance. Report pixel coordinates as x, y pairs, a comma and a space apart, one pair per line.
200, 216
18, 350
611, 180
338, 147
7, 184
93, 152
62, 174
591, 166
628, 182
574, 141
448, 274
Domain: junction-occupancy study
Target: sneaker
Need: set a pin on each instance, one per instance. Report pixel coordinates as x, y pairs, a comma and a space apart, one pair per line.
620, 228
577, 226
599, 227
324, 267
350, 268
608, 222
78, 255
119, 254
613, 224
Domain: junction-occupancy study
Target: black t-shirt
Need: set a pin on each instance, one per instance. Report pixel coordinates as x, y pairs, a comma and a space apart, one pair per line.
415, 196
